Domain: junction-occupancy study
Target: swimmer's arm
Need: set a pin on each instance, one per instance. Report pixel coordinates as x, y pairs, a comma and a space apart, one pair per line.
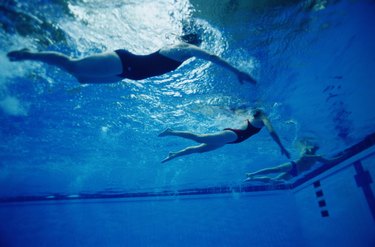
274, 136
314, 156
202, 54
321, 159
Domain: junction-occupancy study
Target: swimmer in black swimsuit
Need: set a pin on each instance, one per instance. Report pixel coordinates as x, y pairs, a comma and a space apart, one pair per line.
209, 142
114, 66
291, 169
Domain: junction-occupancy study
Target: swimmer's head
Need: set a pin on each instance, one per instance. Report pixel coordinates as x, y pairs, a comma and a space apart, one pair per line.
307, 145
311, 149
191, 38
192, 31
257, 112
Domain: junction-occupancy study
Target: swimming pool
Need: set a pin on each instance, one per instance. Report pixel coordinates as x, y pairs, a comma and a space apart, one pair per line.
81, 164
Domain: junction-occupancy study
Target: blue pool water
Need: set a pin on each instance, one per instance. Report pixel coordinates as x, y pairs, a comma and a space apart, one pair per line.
314, 61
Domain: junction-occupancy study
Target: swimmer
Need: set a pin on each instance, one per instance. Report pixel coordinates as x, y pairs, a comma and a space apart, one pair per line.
209, 142
111, 67
291, 169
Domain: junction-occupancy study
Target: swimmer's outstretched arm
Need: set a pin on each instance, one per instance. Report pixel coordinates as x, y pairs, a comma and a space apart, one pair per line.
274, 136
324, 160
202, 54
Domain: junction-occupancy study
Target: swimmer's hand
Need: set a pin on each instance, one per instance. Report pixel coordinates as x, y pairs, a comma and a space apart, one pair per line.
170, 156
285, 152
242, 76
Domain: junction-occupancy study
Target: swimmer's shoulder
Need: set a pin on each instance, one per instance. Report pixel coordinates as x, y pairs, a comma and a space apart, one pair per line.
257, 122
180, 51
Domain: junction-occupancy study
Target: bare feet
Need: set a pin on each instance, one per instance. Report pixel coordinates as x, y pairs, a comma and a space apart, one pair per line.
171, 155
249, 177
165, 132
19, 55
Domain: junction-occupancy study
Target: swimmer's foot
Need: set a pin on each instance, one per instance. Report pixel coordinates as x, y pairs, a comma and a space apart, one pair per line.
165, 132
19, 55
171, 155
249, 177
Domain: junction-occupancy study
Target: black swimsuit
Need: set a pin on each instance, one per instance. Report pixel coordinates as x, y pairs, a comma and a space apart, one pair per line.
244, 134
139, 67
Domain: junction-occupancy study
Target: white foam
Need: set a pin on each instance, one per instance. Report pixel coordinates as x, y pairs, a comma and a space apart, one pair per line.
12, 106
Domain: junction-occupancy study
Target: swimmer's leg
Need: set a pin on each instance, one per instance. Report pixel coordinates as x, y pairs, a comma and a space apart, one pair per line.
260, 179
277, 169
190, 150
218, 138
19, 55
265, 179
283, 177
99, 65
